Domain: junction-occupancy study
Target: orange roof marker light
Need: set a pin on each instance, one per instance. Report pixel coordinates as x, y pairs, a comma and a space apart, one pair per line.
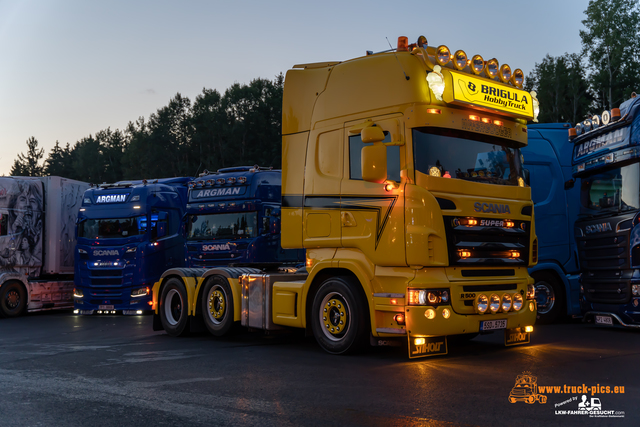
403, 44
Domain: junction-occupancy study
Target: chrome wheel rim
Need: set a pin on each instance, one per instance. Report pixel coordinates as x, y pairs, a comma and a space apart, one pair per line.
545, 297
173, 306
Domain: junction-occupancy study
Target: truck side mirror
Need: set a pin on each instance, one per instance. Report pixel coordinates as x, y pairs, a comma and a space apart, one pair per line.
372, 134
374, 163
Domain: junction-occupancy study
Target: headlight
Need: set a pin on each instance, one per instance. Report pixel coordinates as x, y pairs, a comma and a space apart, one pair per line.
494, 303
517, 302
482, 303
140, 292
78, 293
81, 251
506, 302
131, 250
428, 296
443, 55
531, 292
491, 68
477, 64
459, 59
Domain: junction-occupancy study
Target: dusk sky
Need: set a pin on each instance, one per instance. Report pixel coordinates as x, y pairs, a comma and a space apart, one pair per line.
71, 68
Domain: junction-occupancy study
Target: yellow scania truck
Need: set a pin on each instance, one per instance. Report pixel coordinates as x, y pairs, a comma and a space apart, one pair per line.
402, 178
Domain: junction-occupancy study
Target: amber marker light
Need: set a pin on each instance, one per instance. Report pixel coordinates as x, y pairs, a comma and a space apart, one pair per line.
528, 328
403, 44
419, 341
399, 318
486, 120
498, 122
434, 111
464, 254
474, 118
477, 64
509, 224
472, 221
394, 301
515, 254
414, 296
615, 114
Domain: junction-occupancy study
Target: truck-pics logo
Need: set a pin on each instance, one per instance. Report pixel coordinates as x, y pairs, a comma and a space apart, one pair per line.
222, 247
218, 192
491, 208
597, 228
526, 390
106, 252
112, 198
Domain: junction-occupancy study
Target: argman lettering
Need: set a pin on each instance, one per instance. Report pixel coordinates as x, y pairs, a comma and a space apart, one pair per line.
218, 192
491, 208
112, 198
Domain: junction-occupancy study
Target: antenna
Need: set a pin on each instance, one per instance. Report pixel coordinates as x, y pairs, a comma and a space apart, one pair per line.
394, 54
196, 174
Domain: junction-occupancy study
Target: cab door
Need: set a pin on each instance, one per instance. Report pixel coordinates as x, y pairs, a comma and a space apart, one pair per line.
372, 214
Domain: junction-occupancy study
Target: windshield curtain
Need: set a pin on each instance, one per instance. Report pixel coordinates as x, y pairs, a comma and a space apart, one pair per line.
240, 225
112, 228
450, 153
614, 190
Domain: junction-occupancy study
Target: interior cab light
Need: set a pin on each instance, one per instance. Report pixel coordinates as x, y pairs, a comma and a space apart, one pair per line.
498, 122
486, 120
474, 118
434, 111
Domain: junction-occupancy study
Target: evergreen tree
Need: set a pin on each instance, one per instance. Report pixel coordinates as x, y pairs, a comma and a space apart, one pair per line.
29, 164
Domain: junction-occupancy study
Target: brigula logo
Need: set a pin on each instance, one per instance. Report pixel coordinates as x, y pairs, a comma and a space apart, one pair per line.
472, 88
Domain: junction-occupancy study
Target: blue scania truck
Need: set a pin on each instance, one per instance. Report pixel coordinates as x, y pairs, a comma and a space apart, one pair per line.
233, 217
606, 159
128, 234
232, 227
556, 203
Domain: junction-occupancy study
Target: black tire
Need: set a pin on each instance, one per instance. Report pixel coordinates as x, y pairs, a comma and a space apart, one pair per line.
339, 316
550, 298
173, 308
13, 299
217, 305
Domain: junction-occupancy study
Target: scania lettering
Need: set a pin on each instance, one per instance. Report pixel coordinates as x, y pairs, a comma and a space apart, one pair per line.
606, 158
556, 198
37, 240
385, 189
128, 234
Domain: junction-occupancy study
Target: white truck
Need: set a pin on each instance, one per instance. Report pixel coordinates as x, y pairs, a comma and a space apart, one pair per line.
37, 242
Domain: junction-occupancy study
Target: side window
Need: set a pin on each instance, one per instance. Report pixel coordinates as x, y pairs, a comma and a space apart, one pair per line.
158, 224
355, 152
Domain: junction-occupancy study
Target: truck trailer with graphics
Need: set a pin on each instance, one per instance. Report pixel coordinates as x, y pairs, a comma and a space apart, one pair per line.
402, 178
128, 234
606, 158
37, 241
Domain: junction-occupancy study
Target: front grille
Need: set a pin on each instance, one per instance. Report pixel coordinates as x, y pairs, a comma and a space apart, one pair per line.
106, 282
102, 301
105, 273
604, 258
487, 245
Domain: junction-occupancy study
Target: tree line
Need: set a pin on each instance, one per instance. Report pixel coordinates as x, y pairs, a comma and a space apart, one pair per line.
574, 86
240, 127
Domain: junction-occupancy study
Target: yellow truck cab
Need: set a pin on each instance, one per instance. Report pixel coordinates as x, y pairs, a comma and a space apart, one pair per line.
403, 180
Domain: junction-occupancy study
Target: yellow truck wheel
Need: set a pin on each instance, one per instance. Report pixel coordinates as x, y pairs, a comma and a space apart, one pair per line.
217, 305
338, 317
173, 307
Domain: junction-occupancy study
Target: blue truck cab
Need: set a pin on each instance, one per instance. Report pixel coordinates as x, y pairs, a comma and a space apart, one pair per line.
128, 234
556, 205
233, 218
606, 158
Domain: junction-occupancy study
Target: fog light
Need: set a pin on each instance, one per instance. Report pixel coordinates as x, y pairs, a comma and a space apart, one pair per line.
528, 328
532, 306
78, 293
419, 341
430, 313
517, 302
506, 302
482, 303
139, 312
494, 303
446, 313
399, 318
76, 311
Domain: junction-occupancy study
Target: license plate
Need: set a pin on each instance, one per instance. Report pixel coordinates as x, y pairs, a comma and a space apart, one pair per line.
491, 325
105, 307
604, 320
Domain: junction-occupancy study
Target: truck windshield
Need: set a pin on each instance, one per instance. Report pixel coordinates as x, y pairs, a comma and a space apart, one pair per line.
112, 228
450, 153
614, 190
239, 225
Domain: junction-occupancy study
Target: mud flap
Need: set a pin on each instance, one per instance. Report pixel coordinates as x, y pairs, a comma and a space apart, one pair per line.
427, 346
516, 336
157, 323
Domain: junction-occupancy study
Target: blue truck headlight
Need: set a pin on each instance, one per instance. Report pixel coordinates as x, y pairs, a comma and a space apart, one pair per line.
140, 292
